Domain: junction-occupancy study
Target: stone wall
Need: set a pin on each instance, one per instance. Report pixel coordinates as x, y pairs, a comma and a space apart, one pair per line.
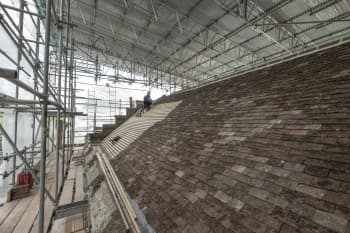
267, 151
104, 216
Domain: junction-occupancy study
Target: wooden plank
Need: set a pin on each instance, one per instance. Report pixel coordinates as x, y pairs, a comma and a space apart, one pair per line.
20, 191
27, 220
19, 208
78, 223
11, 221
59, 226
75, 177
60, 173
6, 209
25, 223
67, 192
71, 173
74, 223
49, 209
79, 185
69, 225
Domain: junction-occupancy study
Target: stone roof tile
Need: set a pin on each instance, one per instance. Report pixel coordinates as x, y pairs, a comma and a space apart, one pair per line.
267, 151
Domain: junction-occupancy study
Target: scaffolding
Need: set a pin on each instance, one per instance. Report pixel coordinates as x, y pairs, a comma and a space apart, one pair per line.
46, 103
52, 65
51, 101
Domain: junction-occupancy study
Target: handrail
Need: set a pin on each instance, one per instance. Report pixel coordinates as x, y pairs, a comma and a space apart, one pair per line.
12, 154
6, 174
9, 155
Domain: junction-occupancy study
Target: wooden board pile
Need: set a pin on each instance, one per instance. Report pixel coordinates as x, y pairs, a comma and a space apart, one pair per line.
19, 191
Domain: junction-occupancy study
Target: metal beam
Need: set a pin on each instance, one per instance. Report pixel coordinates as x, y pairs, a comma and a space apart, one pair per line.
239, 29
6, 99
254, 7
143, 31
70, 209
11, 76
8, 74
289, 38
68, 35
13, 61
44, 129
124, 60
58, 116
173, 28
19, 10
26, 50
305, 22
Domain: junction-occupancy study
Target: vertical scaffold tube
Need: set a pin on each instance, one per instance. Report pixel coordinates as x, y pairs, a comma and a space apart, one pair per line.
65, 89
19, 59
44, 130
58, 124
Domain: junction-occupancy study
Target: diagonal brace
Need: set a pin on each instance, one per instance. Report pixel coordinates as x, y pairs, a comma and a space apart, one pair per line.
36, 178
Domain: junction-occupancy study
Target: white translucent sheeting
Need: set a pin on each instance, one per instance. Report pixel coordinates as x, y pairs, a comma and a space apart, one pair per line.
25, 120
26, 79
23, 138
3, 182
104, 93
24, 133
29, 29
14, 14
10, 49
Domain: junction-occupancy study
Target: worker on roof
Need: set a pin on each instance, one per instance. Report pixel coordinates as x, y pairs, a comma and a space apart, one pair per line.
147, 101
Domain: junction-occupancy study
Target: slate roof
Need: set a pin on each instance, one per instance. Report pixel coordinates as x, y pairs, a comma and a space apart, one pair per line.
267, 151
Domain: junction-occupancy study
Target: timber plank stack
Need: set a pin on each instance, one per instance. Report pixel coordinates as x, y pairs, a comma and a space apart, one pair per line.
20, 191
267, 151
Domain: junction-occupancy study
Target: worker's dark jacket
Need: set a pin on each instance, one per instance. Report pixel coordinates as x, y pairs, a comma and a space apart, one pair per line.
147, 100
